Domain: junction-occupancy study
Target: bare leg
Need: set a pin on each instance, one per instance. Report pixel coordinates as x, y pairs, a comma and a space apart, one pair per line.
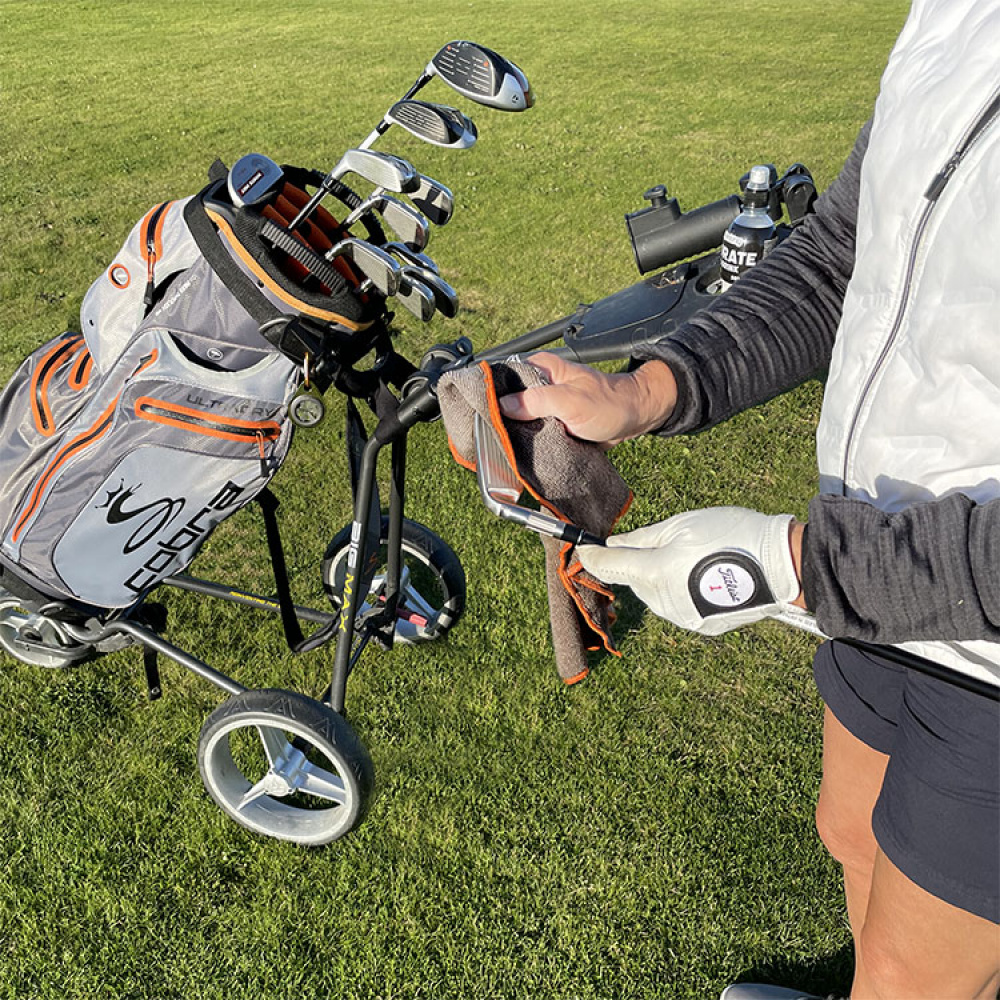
852, 779
918, 946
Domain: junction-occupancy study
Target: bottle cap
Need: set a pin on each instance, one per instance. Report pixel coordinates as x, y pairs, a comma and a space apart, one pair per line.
760, 177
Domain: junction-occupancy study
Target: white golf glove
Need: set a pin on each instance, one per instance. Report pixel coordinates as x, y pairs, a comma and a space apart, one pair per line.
707, 570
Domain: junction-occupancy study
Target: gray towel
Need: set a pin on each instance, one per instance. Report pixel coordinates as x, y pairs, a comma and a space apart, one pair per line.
572, 478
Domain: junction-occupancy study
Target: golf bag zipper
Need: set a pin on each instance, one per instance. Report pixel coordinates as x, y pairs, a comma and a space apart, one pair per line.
932, 195
152, 243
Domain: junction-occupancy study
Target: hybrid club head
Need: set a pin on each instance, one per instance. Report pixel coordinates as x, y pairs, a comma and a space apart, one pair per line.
437, 124
410, 256
434, 200
378, 267
501, 490
252, 178
482, 75
381, 169
415, 296
445, 297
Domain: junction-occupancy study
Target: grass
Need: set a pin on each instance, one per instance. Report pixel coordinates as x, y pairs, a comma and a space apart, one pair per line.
645, 834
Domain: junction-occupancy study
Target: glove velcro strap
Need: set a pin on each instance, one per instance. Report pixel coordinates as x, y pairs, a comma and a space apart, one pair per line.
728, 581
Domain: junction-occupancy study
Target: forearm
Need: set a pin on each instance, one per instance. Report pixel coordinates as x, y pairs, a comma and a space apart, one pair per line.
931, 571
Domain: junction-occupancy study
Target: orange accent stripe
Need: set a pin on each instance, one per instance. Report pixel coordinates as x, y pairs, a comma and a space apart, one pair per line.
79, 377
43, 375
272, 286
157, 234
96, 431
267, 429
497, 421
576, 678
464, 462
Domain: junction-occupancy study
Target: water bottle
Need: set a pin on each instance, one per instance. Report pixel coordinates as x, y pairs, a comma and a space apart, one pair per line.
751, 234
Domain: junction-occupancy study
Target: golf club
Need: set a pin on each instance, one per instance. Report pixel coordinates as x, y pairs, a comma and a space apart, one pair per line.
410, 256
378, 267
481, 75
437, 124
415, 296
434, 200
386, 172
407, 223
445, 297
252, 178
501, 490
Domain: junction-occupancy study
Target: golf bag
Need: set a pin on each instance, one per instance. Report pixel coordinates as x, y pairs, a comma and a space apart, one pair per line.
125, 445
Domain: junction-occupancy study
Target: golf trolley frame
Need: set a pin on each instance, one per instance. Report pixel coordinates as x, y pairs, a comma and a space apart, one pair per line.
290, 766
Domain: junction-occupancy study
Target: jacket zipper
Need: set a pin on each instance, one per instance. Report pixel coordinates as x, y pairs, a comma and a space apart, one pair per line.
932, 195
153, 231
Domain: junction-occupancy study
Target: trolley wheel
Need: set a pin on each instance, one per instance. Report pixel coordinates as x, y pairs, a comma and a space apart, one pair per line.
286, 766
35, 639
432, 584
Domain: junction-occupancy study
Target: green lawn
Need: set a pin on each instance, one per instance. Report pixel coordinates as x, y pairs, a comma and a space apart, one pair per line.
647, 833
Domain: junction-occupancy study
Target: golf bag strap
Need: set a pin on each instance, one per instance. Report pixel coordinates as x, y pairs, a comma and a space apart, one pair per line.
297, 642
240, 284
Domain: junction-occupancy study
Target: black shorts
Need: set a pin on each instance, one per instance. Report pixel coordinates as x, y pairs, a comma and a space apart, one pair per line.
937, 818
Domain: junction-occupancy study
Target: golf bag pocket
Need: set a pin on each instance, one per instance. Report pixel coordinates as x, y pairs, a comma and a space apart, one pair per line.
124, 491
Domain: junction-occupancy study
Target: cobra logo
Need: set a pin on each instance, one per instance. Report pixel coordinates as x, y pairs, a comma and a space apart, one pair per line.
156, 515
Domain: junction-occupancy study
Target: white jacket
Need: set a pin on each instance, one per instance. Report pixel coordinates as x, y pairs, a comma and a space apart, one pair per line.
912, 406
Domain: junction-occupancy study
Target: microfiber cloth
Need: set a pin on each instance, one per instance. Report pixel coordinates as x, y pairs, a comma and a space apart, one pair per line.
571, 478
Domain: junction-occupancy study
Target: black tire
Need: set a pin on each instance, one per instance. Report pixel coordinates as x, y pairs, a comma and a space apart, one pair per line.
286, 766
433, 595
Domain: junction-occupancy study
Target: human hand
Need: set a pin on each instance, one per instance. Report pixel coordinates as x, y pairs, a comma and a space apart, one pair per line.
595, 406
707, 570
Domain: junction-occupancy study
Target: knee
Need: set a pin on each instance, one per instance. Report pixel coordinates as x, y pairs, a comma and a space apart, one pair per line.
888, 971
846, 832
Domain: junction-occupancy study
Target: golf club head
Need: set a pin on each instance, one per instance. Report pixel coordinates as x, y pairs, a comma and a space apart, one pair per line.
445, 297
482, 75
407, 223
437, 124
501, 490
381, 169
415, 296
378, 267
434, 200
252, 178
410, 256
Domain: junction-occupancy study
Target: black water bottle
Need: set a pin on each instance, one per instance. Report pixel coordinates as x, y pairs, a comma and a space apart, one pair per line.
751, 234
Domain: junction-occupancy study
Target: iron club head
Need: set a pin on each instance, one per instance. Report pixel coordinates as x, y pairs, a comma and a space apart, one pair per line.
381, 169
378, 267
445, 297
501, 490
434, 200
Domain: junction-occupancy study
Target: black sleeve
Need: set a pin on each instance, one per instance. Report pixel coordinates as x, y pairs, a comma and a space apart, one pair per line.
775, 328
931, 571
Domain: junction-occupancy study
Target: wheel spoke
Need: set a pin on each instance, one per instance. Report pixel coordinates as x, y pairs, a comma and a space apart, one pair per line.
275, 744
322, 784
270, 784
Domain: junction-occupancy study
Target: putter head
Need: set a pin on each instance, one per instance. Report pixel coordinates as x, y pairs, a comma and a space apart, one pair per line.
445, 297
381, 169
501, 490
415, 296
434, 200
437, 124
252, 178
378, 267
482, 75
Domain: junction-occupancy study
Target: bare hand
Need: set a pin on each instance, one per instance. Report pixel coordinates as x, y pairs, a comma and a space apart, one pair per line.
595, 406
